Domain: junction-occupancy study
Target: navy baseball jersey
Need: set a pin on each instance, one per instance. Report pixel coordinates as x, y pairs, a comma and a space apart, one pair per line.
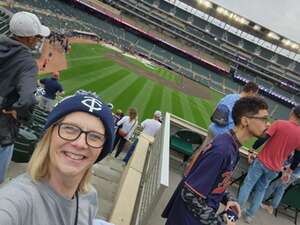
207, 178
52, 86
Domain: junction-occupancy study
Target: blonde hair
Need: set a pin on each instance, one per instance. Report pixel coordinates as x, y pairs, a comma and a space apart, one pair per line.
38, 166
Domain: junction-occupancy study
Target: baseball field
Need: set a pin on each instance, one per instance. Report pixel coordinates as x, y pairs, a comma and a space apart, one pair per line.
128, 82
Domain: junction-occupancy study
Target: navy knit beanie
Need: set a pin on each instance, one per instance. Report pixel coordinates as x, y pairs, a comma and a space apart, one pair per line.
88, 102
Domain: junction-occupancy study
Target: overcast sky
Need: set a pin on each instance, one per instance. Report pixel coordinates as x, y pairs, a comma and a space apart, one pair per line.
281, 16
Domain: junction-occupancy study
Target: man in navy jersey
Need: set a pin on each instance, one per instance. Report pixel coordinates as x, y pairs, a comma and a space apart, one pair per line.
203, 187
52, 89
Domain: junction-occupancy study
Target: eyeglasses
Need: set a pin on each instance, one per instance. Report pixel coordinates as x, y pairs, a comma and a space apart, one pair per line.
71, 132
265, 119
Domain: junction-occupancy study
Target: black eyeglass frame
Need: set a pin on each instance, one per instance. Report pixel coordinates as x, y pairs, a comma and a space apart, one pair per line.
263, 118
81, 131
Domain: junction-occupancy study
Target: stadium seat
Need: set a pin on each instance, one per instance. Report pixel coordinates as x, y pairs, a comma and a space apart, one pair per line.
291, 200
28, 136
185, 142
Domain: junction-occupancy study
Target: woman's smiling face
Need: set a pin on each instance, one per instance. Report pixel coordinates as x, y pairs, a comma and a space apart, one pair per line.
74, 158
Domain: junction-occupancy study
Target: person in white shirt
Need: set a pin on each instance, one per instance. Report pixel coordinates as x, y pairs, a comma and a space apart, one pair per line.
126, 127
150, 127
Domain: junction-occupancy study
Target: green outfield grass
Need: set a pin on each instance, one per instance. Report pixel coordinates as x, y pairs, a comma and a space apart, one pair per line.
166, 74
90, 70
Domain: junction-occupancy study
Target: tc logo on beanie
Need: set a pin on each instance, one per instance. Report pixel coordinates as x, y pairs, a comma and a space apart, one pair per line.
92, 103
88, 102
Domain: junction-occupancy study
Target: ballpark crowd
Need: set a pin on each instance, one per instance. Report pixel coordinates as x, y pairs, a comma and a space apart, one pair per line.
82, 129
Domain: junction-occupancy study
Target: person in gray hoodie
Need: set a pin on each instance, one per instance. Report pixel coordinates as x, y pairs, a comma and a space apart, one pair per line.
18, 79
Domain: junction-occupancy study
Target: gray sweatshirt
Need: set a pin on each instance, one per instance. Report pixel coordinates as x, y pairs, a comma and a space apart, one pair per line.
23, 202
18, 82
18, 73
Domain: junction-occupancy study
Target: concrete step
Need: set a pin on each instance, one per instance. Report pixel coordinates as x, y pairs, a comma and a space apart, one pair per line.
105, 209
106, 189
106, 172
114, 163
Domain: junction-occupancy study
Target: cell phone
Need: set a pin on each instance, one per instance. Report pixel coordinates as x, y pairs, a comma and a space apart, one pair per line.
231, 215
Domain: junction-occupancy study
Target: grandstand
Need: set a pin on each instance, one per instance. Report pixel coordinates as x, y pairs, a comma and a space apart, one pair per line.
4, 19
218, 52
171, 36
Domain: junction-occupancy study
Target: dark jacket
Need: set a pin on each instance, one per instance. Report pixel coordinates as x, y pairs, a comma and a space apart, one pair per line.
18, 82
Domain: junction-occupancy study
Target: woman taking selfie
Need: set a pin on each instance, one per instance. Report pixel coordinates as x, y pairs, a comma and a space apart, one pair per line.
56, 189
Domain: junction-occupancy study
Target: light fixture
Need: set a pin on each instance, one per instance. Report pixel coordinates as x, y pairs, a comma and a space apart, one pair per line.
286, 42
294, 46
205, 3
220, 10
257, 27
273, 35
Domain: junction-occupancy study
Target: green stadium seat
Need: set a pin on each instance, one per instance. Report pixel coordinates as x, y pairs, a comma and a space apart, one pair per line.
291, 200
184, 141
28, 136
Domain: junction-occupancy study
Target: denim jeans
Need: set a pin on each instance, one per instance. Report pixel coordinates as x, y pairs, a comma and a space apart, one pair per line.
259, 177
122, 141
277, 189
5, 157
130, 151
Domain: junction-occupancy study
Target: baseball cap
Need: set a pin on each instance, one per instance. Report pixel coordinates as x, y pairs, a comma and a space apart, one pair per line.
157, 113
25, 24
296, 110
84, 101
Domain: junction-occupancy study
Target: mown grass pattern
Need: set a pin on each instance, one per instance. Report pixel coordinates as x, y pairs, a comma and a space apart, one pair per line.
90, 70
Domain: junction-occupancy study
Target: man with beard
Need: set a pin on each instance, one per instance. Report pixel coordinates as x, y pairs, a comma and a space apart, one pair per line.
282, 139
203, 187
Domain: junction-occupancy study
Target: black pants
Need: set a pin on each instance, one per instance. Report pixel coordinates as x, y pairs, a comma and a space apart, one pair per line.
122, 141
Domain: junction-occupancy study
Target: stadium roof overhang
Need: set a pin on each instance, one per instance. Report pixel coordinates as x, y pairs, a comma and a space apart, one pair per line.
243, 24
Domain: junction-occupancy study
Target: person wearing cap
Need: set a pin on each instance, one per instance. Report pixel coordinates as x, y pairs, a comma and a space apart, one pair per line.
150, 127
52, 89
281, 139
56, 189
18, 79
